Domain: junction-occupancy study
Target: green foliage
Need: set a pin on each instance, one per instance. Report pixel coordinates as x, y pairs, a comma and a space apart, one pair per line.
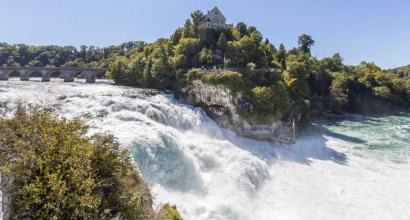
197, 18
339, 93
270, 103
232, 80
194, 74
55, 171
305, 43
38, 56
251, 66
169, 212
402, 72
297, 70
187, 53
262, 99
206, 57
382, 91
281, 56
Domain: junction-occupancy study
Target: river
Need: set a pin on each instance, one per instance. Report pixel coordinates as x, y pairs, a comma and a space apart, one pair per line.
352, 169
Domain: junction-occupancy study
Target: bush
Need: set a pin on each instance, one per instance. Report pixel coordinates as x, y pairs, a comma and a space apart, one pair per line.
194, 74
270, 103
169, 212
382, 91
339, 92
55, 171
232, 80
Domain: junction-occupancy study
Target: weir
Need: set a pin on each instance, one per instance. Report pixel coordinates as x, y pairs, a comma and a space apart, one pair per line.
68, 73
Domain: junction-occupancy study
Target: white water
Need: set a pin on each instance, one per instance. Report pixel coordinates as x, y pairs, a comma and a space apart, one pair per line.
356, 169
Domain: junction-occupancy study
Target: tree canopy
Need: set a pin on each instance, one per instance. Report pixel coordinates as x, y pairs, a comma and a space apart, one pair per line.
52, 170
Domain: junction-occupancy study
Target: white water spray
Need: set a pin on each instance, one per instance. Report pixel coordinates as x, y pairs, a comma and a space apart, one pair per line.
341, 172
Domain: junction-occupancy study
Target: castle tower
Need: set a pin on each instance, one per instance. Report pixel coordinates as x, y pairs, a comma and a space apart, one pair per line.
214, 19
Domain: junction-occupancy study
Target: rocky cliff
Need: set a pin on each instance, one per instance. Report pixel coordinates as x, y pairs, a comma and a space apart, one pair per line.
224, 107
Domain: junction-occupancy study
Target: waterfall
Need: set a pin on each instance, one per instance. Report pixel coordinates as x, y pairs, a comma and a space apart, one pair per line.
211, 173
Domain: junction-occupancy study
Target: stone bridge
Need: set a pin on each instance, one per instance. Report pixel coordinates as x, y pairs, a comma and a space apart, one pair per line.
46, 73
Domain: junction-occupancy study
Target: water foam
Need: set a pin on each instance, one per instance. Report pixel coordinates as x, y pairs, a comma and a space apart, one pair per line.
342, 171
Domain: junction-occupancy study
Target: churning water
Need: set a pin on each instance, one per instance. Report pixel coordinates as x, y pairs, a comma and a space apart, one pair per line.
353, 169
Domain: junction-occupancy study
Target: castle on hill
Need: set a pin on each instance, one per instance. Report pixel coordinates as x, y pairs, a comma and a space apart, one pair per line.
214, 19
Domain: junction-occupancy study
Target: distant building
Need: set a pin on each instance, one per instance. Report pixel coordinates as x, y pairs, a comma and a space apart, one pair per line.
214, 19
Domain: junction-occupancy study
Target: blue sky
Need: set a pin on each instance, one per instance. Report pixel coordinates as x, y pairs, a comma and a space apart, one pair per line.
372, 30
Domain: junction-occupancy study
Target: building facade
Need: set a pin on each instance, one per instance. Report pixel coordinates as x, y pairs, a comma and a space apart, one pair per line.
214, 19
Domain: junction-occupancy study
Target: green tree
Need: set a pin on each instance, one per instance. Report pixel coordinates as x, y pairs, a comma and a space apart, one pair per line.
242, 29
206, 57
281, 56
55, 171
297, 70
305, 43
197, 18
339, 93
222, 43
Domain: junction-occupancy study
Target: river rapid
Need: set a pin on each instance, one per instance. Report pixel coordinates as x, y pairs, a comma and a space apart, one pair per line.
352, 169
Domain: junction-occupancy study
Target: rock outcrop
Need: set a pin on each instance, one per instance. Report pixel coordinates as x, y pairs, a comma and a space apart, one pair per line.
223, 106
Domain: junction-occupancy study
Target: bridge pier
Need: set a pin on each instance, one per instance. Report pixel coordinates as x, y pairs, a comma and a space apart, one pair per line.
89, 77
3, 75
68, 76
45, 76
24, 75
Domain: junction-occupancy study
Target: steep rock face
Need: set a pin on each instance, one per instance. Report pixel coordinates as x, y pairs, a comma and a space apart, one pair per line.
223, 106
217, 101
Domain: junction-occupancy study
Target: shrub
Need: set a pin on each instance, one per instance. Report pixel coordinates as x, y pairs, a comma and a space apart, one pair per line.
232, 80
194, 74
382, 91
169, 212
55, 171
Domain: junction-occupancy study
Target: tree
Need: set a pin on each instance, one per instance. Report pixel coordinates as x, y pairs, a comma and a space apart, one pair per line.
55, 171
206, 57
281, 56
222, 43
262, 100
297, 70
186, 53
188, 30
119, 69
305, 43
197, 18
161, 69
339, 93
271, 100
242, 29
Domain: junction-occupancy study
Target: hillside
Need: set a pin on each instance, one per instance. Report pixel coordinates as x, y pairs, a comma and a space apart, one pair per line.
275, 83
402, 72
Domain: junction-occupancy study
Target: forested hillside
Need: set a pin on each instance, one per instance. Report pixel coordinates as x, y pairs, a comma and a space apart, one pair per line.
21, 55
280, 83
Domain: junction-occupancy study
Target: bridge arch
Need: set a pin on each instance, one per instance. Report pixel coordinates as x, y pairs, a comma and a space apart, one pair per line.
35, 73
55, 74
13, 74
79, 74
100, 75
